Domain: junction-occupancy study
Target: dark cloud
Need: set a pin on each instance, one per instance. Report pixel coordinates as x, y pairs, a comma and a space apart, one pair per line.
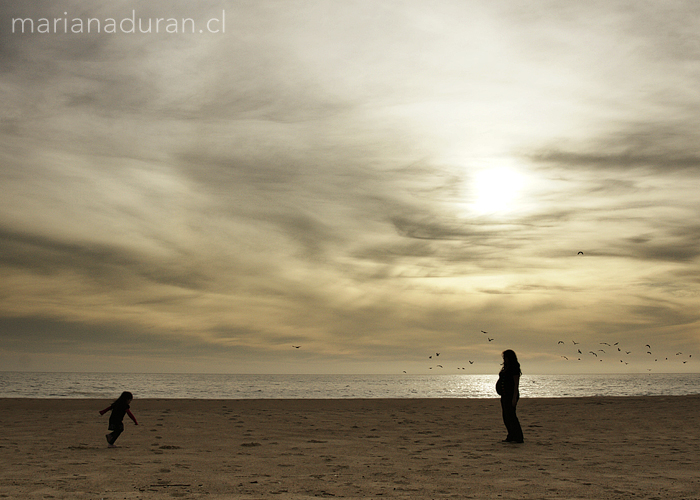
239, 171
632, 160
396, 252
311, 233
110, 265
429, 228
662, 315
655, 147
53, 335
681, 245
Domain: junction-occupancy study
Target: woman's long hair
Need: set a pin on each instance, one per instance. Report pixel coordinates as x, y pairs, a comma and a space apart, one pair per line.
510, 362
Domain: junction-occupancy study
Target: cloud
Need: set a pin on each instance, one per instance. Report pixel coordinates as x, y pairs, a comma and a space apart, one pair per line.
308, 177
662, 161
681, 245
95, 262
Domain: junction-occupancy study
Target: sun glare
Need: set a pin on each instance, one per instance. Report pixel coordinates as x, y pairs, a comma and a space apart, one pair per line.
496, 190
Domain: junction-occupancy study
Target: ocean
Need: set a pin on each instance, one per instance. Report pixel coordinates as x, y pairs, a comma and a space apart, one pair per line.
220, 386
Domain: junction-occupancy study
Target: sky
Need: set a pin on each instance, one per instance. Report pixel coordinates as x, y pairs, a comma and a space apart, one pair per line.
374, 182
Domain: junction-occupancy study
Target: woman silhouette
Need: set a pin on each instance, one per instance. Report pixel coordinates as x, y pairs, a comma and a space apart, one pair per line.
507, 388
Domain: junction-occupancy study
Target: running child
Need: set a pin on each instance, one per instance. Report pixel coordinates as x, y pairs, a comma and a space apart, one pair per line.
119, 408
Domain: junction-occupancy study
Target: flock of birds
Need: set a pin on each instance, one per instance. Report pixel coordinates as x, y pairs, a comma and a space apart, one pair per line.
471, 362
601, 351
616, 352
437, 354
440, 366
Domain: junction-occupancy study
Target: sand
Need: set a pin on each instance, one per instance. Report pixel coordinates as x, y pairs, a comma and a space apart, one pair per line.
602, 448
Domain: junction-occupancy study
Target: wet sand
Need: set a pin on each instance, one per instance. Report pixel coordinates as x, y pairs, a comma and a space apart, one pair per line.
603, 448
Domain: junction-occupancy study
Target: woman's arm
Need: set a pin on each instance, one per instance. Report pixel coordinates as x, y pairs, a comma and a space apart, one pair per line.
516, 392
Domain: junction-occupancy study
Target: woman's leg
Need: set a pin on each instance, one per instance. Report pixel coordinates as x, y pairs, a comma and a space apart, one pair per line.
510, 419
506, 411
516, 431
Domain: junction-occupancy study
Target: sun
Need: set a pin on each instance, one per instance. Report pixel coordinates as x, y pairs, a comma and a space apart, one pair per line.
497, 190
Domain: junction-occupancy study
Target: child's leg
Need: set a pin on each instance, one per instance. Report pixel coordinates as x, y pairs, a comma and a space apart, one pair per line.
112, 437
117, 429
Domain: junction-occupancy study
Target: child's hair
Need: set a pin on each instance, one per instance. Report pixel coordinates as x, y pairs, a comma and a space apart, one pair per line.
126, 396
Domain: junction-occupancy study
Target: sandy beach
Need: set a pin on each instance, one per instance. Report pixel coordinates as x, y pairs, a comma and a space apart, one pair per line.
603, 448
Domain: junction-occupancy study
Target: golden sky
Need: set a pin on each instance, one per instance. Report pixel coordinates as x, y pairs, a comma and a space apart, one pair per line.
372, 181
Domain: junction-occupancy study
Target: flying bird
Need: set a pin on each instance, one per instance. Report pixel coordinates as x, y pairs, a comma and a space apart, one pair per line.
648, 346
489, 339
565, 358
296, 346
575, 343
593, 353
604, 343
580, 253
437, 353
483, 331
560, 342
471, 362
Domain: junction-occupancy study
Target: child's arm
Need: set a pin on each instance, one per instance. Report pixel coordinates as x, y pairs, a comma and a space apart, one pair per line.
131, 416
102, 412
